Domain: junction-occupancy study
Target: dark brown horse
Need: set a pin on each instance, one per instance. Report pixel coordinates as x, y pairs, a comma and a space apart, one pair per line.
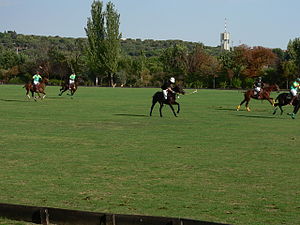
171, 100
71, 87
68, 87
264, 95
284, 99
39, 89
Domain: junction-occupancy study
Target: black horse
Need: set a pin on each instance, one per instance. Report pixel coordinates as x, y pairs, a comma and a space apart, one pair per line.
171, 100
296, 104
282, 100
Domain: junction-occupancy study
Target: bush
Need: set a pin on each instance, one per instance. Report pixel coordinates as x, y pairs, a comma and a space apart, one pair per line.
195, 84
223, 84
236, 83
54, 82
248, 83
15, 80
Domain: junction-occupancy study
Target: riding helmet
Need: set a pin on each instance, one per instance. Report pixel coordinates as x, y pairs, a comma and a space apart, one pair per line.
172, 80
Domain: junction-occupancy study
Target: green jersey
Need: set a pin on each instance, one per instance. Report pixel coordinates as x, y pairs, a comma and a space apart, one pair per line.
37, 77
72, 77
295, 85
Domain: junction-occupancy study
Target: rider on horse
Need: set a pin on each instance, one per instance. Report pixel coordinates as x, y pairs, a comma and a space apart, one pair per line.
258, 85
72, 80
294, 90
167, 86
36, 80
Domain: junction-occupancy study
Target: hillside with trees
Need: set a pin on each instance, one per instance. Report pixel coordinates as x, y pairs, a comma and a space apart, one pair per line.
104, 58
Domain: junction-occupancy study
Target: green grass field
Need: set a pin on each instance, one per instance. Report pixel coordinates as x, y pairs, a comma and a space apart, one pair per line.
102, 152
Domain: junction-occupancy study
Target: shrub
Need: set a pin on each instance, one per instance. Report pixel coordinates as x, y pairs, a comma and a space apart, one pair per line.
236, 83
15, 80
54, 82
248, 83
223, 84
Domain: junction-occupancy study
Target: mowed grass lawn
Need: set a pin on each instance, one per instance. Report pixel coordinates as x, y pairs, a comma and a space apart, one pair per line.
102, 152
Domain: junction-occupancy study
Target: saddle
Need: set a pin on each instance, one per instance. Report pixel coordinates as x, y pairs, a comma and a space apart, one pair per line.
289, 96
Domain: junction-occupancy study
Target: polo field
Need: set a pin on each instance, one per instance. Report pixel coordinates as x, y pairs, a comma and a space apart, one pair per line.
101, 151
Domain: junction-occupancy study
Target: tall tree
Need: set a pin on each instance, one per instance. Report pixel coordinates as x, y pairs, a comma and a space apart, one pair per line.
175, 61
104, 39
95, 32
293, 50
112, 41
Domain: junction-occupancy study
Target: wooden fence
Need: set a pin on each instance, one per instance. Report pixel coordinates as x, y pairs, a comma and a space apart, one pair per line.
45, 216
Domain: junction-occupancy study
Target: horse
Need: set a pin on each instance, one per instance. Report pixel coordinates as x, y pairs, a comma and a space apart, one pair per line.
264, 95
39, 89
282, 100
296, 104
66, 86
171, 100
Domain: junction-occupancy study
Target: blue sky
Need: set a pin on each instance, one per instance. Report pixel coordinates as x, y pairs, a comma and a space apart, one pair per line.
268, 23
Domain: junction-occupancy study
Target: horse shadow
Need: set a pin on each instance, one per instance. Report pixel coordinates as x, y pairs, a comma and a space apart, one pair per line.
12, 100
256, 116
130, 115
225, 109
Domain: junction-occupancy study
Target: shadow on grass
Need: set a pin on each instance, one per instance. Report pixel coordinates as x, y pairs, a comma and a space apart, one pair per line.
129, 114
57, 97
256, 116
12, 100
226, 109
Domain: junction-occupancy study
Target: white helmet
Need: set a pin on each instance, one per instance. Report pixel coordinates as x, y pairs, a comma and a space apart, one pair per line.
172, 80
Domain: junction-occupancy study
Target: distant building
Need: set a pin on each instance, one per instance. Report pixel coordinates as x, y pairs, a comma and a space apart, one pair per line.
225, 40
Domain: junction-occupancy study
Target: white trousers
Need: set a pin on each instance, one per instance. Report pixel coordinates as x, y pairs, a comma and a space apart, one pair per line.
165, 92
293, 92
257, 89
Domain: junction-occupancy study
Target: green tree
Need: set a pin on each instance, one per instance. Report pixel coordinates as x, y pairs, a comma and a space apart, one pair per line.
293, 50
103, 39
95, 32
112, 41
175, 61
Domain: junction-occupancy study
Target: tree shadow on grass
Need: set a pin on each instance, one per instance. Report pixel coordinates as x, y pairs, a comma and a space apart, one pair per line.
12, 100
129, 114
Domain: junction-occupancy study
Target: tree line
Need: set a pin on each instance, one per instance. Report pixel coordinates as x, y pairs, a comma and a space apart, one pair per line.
104, 58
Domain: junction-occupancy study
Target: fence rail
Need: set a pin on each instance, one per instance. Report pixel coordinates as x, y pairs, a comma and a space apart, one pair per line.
45, 216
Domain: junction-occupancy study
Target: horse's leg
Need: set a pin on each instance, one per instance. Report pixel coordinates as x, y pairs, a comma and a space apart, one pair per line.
173, 110
160, 108
27, 93
242, 102
271, 100
247, 105
281, 110
178, 106
153, 104
44, 95
62, 90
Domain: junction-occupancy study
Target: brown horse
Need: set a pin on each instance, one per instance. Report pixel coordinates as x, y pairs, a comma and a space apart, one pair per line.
39, 89
71, 87
171, 100
264, 95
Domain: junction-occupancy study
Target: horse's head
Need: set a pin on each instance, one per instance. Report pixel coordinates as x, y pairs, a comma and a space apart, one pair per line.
275, 87
45, 80
178, 89
272, 87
